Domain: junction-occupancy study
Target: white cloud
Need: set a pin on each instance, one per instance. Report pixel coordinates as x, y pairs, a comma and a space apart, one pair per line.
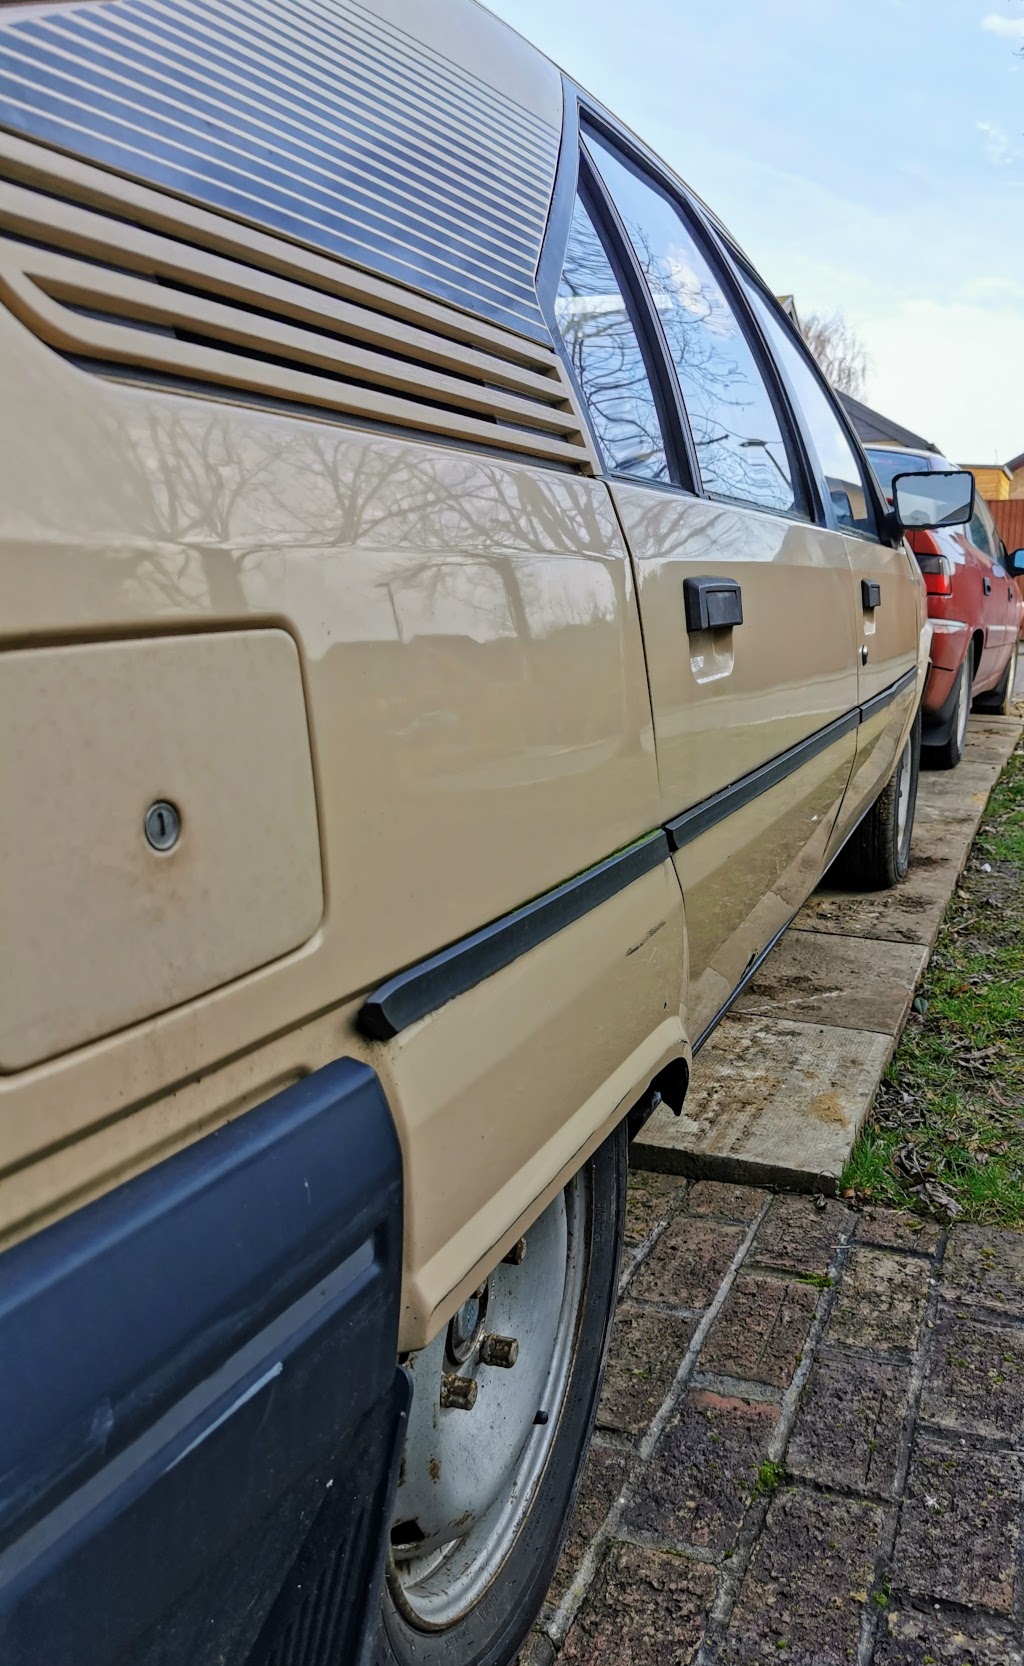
1013, 27
952, 373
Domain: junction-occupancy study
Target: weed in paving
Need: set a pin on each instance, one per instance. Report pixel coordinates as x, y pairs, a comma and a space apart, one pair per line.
769, 1479
947, 1133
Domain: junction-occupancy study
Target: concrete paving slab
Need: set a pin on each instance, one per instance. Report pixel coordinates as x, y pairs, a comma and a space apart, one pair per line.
913, 911
853, 982
913, 914
782, 1088
773, 1103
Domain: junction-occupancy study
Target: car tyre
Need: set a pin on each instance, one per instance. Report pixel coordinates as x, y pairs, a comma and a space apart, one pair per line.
483, 1620
877, 854
1000, 699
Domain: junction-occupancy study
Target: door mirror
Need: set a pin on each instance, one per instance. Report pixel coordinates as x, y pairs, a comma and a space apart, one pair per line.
1015, 563
941, 498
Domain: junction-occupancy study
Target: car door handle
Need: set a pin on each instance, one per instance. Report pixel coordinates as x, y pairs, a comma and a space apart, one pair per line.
870, 594
987, 584
712, 604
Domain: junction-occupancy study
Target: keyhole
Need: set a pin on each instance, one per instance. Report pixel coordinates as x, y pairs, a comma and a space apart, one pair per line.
162, 825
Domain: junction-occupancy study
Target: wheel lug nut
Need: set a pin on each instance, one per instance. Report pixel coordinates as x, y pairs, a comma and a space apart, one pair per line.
517, 1254
457, 1393
499, 1350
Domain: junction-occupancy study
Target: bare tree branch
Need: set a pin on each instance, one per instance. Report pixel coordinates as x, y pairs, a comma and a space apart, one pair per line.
838, 351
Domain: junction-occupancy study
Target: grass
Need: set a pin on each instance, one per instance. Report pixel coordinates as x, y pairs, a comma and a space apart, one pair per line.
947, 1133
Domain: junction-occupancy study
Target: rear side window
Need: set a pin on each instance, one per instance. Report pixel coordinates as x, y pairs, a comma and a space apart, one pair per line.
888, 464
604, 351
978, 531
844, 478
736, 430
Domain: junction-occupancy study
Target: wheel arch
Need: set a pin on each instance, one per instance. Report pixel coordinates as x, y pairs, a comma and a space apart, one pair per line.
977, 648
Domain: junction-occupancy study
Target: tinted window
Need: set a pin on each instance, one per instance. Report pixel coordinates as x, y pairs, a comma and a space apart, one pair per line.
843, 476
888, 464
978, 532
605, 353
735, 427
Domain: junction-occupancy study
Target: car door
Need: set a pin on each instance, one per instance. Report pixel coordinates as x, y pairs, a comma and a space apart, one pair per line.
886, 594
745, 602
998, 609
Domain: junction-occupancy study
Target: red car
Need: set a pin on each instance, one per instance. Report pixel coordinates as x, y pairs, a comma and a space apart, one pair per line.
975, 609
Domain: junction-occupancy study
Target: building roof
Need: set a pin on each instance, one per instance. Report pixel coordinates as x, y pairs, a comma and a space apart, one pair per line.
992, 468
873, 427
1016, 463
788, 305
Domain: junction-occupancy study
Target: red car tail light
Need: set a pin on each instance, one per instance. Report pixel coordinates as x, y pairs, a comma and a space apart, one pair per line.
938, 574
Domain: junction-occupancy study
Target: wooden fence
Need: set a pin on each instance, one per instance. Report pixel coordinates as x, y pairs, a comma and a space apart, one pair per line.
1009, 518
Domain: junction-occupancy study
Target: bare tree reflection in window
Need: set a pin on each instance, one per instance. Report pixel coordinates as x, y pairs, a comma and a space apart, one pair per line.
605, 355
736, 431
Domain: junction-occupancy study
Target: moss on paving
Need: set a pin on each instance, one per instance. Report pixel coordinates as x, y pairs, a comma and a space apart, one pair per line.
947, 1133
768, 1480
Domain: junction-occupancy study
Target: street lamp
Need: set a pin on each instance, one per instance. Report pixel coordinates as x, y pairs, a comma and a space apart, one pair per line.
764, 446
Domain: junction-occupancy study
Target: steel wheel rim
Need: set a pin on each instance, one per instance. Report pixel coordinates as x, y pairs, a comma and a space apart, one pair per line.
963, 706
435, 1587
903, 793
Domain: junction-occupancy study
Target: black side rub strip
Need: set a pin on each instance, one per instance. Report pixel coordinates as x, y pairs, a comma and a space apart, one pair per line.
681, 829
749, 975
422, 988
879, 701
429, 984
691, 823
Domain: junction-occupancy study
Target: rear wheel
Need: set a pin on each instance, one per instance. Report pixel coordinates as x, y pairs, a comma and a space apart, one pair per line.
949, 752
504, 1402
877, 854
1000, 698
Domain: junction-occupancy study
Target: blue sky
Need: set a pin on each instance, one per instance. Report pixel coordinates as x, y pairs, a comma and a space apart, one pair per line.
868, 155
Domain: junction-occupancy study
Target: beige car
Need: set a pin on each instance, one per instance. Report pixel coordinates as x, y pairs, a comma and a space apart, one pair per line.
448, 630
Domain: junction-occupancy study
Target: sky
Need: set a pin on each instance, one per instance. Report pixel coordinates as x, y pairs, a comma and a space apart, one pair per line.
869, 157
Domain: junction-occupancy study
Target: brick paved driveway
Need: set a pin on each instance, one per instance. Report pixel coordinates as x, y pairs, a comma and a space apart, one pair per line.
809, 1445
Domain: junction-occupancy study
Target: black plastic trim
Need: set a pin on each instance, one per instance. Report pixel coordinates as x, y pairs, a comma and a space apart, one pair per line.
681, 829
870, 594
190, 1362
712, 604
560, 211
431, 983
751, 971
878, 702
